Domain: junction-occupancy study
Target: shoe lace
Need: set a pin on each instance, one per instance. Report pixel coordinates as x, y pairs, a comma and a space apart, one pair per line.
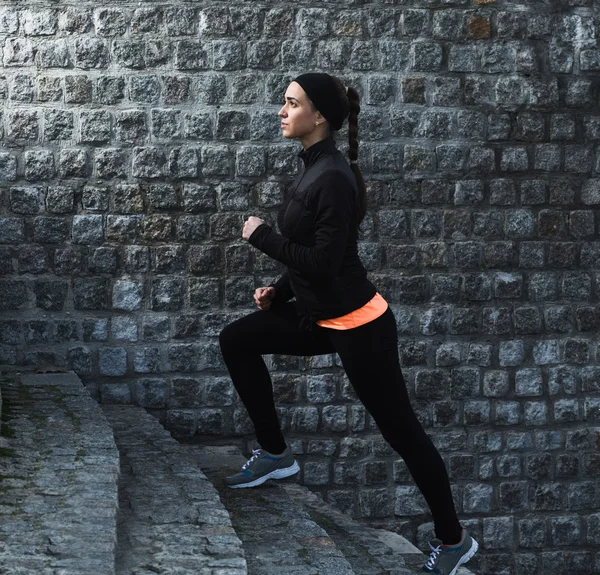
433, 557
254, 457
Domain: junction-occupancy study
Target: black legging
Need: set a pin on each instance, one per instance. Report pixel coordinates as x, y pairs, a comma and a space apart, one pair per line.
369, 354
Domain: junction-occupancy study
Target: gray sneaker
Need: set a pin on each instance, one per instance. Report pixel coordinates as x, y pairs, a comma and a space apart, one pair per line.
263, 466
447, 560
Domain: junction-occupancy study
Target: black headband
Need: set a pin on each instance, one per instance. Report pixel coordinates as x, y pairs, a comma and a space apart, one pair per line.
322, 91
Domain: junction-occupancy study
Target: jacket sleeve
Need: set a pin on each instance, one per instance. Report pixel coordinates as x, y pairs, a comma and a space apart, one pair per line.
334, 213
283, 289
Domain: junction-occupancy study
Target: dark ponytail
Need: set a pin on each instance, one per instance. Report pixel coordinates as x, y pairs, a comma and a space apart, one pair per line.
354, 100
351, 108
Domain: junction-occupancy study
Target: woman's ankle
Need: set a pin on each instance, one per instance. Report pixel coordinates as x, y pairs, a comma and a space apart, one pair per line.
275, 454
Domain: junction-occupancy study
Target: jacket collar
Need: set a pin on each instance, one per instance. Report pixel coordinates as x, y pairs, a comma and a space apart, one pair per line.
316, 151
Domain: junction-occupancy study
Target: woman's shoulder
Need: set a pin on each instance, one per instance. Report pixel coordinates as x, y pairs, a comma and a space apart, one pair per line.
335, 174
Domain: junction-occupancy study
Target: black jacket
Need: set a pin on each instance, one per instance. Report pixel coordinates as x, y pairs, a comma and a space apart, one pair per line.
318, 242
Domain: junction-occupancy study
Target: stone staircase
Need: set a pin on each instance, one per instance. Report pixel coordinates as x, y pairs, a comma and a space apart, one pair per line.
58, 479
105, 490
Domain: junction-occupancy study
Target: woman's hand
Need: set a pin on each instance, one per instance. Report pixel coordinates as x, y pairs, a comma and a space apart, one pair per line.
250, 225
263, 297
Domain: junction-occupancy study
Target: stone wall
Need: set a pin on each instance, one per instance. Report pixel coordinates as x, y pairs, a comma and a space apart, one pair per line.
136, 139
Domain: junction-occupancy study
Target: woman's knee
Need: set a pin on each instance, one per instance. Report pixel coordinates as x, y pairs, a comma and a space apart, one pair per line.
229, 336
235, 334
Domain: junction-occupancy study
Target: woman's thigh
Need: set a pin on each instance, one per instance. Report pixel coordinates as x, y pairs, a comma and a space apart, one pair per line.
276, 330
369, 354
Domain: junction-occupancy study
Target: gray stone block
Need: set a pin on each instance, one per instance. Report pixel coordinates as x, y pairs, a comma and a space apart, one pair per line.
110, 21
112, 361
543, 286
496, 320
409, 501
519, 440
565, 530
477, 498
535, 413
148, 162
532, 533
9, 21
180, 20
476, 412
448, 354
128, 53
12, 230
192, 55
90, 293
151, 393
131, 126
513, 496
479, 354
334, 418
95, 329
21, 88
88, 229
498, 532
204, 293
23, 125
27, 200
33, 259
50, 230
79, 359
58, 125
528, 382
183, 163
127, 295
110, 163
508, 413
73, 163
155, 328
434, 321
425, 56
8, 167
144, 89
54, 54
50, 295
68, 261
167, 294
304, 419
96, 126
91, 53
18, 52
316, 473
78, 89
109, 90
39, 165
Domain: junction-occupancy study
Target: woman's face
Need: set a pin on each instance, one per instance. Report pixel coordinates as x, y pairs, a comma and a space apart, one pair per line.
298, 115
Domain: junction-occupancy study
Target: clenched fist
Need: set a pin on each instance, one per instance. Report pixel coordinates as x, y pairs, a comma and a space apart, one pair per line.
263, 297
250, 225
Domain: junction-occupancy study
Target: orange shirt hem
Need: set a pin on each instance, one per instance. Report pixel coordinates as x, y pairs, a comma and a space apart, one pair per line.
370, 311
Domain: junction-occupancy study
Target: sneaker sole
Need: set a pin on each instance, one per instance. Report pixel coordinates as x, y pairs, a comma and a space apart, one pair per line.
276, 474
466, 557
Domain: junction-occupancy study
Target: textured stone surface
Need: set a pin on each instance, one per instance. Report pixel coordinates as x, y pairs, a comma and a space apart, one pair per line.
280, 522
58, 498
170, 519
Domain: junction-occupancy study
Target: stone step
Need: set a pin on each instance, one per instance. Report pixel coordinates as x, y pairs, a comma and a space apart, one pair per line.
386, 548
278, 535
171, 520
58, 478
282, 523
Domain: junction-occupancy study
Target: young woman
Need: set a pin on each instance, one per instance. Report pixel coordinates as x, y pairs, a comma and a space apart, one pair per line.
337, 309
